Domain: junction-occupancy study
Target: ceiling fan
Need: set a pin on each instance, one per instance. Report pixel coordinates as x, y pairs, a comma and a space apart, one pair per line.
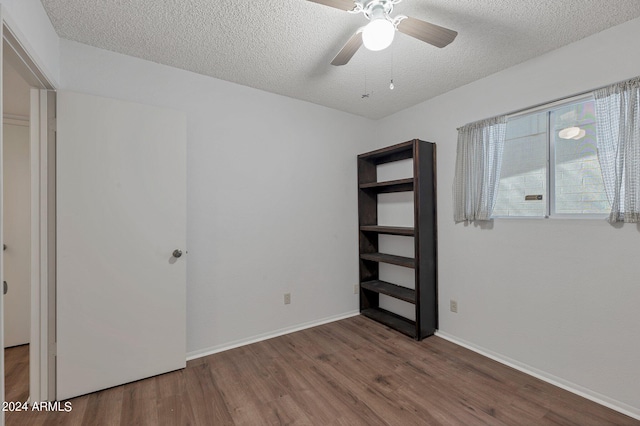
378, 33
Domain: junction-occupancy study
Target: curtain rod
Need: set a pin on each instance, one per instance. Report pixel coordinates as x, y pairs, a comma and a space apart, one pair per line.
564, 98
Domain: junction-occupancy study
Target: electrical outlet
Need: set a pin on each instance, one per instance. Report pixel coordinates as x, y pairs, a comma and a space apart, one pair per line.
453, 305
356, 289
287, 298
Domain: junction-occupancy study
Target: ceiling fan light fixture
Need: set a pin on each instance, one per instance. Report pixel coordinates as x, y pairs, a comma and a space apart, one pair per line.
571, 133
378, 34
580, 135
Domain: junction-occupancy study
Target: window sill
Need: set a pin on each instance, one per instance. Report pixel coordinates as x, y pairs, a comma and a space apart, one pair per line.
554, 217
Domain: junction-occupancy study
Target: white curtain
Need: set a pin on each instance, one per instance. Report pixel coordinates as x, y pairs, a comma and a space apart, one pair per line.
477, 174
618, 130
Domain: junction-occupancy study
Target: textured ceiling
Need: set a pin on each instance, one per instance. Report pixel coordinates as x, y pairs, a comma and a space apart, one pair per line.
285, 46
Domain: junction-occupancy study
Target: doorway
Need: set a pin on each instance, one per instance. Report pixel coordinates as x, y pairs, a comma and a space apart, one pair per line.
17, 232
27, 199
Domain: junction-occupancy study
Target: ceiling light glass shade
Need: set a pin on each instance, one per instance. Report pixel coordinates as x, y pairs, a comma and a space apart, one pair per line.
378, 34
580, 135
569, 133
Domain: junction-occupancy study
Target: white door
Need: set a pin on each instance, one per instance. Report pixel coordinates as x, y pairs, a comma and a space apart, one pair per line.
17, 234
121, 213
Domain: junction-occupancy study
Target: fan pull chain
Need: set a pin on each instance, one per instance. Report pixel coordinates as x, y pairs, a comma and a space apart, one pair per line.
365, 94
391, 86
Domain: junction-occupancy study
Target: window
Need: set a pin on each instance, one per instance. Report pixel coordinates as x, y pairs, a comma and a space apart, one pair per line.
550, 165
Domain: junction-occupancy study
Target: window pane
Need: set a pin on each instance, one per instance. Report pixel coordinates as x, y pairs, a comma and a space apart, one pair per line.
524, 168
578, 179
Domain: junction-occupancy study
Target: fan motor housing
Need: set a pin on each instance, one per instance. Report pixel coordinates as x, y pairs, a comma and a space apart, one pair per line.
376, 9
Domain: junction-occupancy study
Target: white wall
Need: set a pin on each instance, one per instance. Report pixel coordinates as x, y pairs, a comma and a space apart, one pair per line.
272, 206
271, 196
557, 296
33, 27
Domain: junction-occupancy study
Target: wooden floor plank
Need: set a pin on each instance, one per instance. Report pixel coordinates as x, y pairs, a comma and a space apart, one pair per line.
350, 372
205, 398
139, 403
175, 398
104, 408
16, 370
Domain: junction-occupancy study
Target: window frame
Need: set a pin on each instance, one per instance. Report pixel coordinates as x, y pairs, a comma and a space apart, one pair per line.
550, 205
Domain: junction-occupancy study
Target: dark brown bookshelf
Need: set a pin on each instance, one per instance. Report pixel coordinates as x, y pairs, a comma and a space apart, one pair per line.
393, 290
400, 185
395, 321
389, 230
424, 296
392, 259
401, 151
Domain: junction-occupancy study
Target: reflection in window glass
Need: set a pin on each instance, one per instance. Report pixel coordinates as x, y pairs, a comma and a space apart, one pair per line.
565, 138
524, 168
579, 188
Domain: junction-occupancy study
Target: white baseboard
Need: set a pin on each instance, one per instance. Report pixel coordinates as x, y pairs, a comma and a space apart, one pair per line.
265, 336
621, 407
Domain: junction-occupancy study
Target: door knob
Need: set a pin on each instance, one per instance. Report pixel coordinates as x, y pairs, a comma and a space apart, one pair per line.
177, 253
5, 287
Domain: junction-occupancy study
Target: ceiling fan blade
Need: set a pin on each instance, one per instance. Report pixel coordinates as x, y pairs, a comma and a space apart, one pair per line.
349, 49
338, 4
429, 33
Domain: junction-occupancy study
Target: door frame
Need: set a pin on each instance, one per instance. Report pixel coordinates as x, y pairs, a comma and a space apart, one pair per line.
42, 152
43, 320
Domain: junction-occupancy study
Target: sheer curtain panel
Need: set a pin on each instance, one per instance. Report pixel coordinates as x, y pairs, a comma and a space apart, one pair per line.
477, 174
618, 130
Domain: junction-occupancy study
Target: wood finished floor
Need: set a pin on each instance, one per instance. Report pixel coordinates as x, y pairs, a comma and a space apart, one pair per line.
16, 373
350, 372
